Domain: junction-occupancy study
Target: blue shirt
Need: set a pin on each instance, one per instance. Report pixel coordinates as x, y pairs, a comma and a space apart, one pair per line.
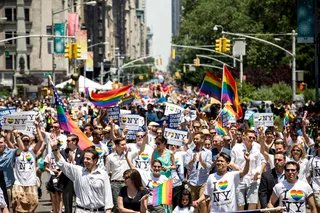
215, 154
198, 174
7, 158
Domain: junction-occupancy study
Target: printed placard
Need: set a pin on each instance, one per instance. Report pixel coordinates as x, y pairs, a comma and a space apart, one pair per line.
19, 120
133, 122
174, 136
263, 119
124, 111
4, 112
173, 109
174, 120
224, 119
248, 114
114, 113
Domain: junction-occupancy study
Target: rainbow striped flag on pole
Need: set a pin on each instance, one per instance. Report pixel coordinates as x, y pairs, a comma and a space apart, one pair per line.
220, 130
162, 194
211, 85
229, 91
66, 123
109, 98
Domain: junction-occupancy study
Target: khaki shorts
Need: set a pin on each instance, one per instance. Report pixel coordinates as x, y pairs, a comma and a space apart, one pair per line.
24, 198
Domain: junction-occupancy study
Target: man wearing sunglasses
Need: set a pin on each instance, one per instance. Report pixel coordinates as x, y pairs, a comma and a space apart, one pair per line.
248, 187
60, 137
293, 194
74, 155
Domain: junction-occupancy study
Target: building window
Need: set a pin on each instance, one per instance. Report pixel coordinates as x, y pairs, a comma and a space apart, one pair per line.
11, 34
28, 38
27, 14
11, 14
7, 76
28, 62
9, 62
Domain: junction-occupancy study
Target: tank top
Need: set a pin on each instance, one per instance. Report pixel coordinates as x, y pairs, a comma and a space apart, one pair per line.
166, 161
25, 169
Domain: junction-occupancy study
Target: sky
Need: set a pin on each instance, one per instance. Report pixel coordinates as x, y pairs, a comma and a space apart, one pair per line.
158, 18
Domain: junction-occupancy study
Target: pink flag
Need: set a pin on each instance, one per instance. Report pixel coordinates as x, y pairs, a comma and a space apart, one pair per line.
73, 21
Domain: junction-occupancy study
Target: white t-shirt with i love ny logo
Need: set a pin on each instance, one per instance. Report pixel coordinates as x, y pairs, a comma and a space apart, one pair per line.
293, 196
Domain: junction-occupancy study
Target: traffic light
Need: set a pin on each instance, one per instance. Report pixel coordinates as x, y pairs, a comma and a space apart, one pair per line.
173, 53
159, 62
184, 68
219, 45
76, 48
225, 45
68, 51
196, 62
152, 69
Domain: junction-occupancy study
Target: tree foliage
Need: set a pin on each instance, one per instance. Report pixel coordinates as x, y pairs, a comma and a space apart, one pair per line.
263, 64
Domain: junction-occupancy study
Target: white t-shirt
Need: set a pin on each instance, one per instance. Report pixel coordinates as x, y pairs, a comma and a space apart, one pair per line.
149, 182
140, 161
25, 169
183, 210
222, 191
178, 173
103, 151
314, 170
3, 203
50, 159
293, 196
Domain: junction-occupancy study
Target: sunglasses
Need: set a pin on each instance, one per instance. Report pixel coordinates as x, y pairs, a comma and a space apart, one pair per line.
140, 136
55, 127
25, 141
126, 177
156, 167
290, 170
213, 133
252, 138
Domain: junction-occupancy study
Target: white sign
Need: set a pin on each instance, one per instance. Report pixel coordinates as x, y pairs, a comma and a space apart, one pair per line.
174, 136
263, 119
23, 121
133, 122
124, 111
173, 109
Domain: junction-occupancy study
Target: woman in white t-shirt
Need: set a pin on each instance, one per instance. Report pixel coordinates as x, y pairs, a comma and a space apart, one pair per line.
292, 193
298, 155
151, 179
24, 191
221, 186
184, 203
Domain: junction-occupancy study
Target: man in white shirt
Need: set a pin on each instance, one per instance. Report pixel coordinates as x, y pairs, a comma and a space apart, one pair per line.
101, 148
91, 184
116, 165
248, 187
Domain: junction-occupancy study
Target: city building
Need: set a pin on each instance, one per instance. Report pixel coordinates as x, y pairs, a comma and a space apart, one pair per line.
176, 8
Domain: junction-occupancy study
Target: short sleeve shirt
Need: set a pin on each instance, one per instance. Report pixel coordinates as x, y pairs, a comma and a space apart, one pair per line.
293, 196
222, 191
131, 203
7, 158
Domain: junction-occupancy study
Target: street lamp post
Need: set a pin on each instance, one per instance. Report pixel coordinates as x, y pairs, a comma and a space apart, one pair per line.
53, 13
292, 54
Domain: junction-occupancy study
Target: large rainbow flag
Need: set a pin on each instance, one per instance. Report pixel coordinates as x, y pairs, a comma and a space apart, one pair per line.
67, 124
127, 100
211, 85
229, 91
109, 98
162, 194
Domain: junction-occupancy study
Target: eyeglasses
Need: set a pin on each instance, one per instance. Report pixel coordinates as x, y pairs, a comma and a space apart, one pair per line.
290, 170
196, 127
252, 138
156, 167
213, 133
227, 139
25, 141
55, 127
140, 136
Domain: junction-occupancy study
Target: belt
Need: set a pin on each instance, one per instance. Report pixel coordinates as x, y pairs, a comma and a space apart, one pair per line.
91, 210
118, 181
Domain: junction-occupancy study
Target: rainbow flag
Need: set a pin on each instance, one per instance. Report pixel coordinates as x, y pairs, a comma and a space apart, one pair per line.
211, 85
220, 130
109, 98
286, 119
162, 194
67, 124
127, 99
229, 110
229, 91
